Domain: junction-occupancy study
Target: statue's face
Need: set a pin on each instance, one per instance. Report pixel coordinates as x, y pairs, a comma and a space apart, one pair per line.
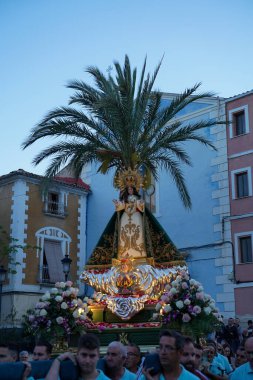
130, 190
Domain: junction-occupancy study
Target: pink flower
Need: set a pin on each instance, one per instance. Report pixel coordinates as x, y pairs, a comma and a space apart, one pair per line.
69, 283
165, 298
186, 317
184, 285
196, 309
200, 296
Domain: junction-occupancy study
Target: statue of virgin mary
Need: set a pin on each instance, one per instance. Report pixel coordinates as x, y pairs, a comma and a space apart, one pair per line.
133, 232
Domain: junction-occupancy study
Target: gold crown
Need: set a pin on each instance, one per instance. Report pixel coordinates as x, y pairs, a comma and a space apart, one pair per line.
128, 177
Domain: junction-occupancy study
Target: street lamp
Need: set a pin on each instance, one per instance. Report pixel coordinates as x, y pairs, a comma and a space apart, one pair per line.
66, 262
2, 280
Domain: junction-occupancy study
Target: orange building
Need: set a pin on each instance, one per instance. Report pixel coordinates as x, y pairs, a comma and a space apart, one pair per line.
53, 221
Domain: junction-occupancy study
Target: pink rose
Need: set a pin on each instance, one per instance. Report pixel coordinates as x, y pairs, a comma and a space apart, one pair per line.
186, 317
200, 295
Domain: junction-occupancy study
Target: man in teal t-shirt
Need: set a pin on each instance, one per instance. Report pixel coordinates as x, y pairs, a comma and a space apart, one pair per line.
170, 350
245, 371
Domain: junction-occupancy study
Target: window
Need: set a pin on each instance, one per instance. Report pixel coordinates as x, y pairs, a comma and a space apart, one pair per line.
241, 183
242, 186
245, 246
54, 205
239, 123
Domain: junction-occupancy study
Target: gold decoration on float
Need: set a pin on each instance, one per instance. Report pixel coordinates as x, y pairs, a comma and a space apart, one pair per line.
129, 177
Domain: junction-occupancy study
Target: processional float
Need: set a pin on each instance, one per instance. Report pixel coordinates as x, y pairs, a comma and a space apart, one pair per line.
134, 259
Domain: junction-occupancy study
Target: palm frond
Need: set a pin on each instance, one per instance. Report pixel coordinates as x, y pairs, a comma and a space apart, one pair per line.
119, 122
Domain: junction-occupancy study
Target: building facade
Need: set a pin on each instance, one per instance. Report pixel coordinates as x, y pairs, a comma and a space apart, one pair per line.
53, 224
239, 110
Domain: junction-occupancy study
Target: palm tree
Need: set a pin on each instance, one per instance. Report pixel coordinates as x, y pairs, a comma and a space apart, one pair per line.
120, 124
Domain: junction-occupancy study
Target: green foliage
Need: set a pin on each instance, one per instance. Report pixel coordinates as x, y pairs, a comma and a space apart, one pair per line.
120, 123
9, 248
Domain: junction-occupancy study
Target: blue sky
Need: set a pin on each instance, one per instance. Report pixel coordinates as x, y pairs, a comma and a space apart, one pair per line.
45, 43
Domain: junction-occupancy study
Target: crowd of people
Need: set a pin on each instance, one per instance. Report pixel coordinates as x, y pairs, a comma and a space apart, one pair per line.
228, 356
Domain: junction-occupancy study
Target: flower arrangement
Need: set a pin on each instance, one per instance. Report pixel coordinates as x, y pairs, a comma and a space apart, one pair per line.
58, 313
184, 306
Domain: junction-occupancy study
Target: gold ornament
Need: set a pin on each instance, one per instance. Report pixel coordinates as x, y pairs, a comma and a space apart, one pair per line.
129, 177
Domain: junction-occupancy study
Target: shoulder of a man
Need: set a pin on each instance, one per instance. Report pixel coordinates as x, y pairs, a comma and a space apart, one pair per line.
101, 375
128, 375
244, 372
186, 375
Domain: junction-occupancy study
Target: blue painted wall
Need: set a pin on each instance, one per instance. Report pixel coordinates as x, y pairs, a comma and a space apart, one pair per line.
187, 228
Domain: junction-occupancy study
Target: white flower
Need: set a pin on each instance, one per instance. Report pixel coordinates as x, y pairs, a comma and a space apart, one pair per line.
207, 310
86, 299
158, 306
64, 306
74, 291
46, 296
167, 308
184, 275
172, 291
193, 282
179, 304
59, 320
54, 291
200, 289
75, 314
167, 287
61, 285
67, 293
75, 302
83, 317
58, 298
187, 301
43, 312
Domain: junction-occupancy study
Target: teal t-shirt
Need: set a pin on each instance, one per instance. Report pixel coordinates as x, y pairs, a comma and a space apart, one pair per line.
128, 375
244, 372
185, 375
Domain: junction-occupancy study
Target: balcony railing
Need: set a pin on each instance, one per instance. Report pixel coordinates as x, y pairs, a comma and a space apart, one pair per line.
54, 208
44, 277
